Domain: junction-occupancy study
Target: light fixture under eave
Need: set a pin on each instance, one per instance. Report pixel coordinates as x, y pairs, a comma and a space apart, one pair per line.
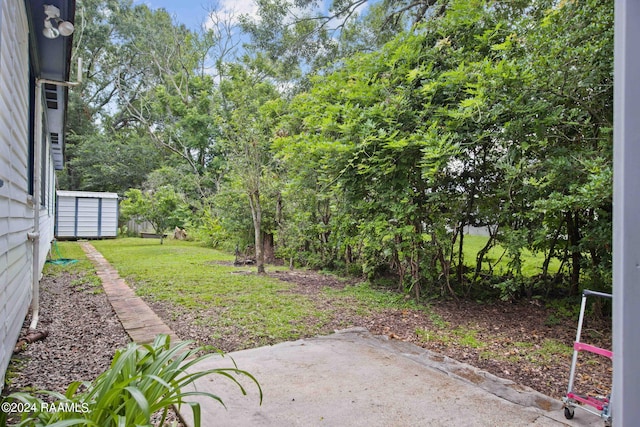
64, 28
48, 31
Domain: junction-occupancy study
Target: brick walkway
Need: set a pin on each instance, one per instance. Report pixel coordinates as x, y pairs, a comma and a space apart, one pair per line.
138, 319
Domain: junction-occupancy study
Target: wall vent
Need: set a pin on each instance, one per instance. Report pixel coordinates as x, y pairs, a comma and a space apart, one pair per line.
51, 96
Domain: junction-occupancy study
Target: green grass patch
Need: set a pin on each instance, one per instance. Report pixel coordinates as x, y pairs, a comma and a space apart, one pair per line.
462, 336
547, 353
531, 262
468, 337
195, 277
553, 347
438, 321
85, 279
427, 335
371, 298
69, 250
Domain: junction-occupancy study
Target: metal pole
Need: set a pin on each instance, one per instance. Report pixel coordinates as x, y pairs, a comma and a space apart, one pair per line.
626, 215
574, 359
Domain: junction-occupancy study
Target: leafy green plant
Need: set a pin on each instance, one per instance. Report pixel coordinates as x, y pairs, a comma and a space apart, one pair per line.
163, 208
142, 380
468, 337
209, 230
438, 321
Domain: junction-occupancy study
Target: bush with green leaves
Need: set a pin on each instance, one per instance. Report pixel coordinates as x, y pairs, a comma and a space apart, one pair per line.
163, 208
141, 381
209, 230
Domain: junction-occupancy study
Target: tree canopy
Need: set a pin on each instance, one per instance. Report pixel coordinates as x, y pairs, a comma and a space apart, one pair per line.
366, 136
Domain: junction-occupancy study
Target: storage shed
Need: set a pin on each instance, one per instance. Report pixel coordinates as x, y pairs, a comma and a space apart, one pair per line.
86, 215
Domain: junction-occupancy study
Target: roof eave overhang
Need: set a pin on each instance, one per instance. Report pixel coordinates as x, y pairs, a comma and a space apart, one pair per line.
51, 59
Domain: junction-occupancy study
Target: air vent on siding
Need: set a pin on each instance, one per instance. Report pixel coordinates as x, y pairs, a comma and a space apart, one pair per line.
55, 138
51, 96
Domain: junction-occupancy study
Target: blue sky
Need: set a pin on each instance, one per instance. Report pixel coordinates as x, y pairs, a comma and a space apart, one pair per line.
193, 13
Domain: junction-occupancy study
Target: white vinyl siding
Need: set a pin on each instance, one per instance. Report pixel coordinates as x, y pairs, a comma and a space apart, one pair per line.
88, 217
84, 214
109, 217
65, 217
16, 211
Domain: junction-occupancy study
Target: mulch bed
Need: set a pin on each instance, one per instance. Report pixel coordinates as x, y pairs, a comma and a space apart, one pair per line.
83, 335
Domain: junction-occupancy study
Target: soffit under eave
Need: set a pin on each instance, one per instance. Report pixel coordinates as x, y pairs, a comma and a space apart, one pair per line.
51, 60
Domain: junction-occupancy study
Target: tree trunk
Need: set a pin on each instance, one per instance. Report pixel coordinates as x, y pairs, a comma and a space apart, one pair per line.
269, 248
445, 265
573, 231
483, 252
460, 267
552, 248
256, 214
415, 273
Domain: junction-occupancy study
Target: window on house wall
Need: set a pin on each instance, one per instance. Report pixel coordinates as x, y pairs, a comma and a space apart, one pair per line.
42, 168
44, 177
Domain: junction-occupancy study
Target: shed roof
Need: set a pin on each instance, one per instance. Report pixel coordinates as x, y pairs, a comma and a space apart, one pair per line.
87, 194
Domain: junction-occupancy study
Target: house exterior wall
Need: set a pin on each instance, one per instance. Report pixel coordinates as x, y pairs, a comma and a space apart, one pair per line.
47, 211
82, 214
16, 213
16, 203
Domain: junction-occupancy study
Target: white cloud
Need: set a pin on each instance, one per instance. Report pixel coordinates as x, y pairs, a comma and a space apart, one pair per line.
240, 7
233, 9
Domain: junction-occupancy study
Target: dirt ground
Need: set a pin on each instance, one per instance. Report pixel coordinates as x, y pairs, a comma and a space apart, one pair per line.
509, 340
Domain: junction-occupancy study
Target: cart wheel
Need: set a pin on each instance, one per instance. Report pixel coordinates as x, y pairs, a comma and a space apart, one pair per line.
568, 413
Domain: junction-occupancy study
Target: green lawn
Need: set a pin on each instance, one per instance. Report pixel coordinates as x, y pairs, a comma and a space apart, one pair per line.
193, 277
196, 278
259, 309
83, 269
531, 263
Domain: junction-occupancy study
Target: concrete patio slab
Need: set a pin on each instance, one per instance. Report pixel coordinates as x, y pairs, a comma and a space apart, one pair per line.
353, 378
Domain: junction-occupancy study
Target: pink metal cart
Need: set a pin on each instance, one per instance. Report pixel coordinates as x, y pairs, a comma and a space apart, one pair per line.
595, 405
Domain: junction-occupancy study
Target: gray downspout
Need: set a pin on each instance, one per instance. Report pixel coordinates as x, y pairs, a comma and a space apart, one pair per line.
37, 169
35, 235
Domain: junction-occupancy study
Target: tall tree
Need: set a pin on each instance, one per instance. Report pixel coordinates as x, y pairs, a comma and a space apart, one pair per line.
108, 38
567, 174
250, 106
309, 34
455, 123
